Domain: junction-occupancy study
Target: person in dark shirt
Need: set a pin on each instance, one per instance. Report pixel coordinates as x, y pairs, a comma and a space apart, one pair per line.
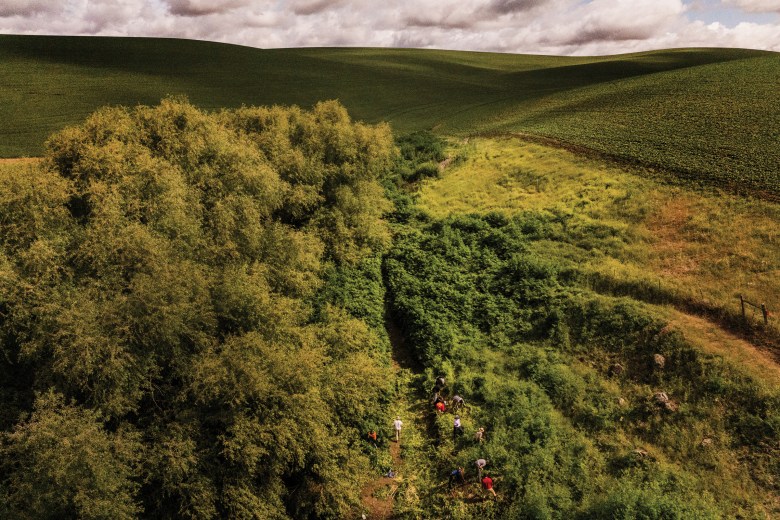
457, 475
457, 402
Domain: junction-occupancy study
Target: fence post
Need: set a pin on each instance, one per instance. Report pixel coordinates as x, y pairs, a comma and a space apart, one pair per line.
765, 313
742, 303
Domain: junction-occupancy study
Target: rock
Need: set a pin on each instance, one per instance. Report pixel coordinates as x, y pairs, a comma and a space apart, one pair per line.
706, 442
659, 361
622, 402
616, 369
661, 397
639, 452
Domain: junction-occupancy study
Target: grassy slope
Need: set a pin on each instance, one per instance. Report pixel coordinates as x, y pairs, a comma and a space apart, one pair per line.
689, 244
628, 235
699, 112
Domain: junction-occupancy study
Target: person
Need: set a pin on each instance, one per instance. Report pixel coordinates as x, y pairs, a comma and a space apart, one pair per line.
457, 475
397, 425
457, 402
390, 473
372, 438
436, 398
441, 407
480, 435
487, 483
440, 381
457, 428
481, 463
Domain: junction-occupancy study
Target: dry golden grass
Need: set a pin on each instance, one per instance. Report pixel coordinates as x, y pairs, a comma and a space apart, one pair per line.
710, 338
19, 160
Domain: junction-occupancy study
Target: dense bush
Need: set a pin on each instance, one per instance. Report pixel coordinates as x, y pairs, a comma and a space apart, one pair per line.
532, 351
188, 307
421, 147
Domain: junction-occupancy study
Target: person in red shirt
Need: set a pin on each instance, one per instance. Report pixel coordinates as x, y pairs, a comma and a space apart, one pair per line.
487, 483
440, 407
372, 438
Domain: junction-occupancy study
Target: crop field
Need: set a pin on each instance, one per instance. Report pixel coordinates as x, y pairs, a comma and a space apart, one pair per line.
716, 123
708, 115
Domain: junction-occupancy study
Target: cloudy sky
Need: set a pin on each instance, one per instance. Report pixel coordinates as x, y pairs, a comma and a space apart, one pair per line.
582, 27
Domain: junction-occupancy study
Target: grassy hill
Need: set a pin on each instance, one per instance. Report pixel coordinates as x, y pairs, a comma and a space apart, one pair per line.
702, 113
186, 296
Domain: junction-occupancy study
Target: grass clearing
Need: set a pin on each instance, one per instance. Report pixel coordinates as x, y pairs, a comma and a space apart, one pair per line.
710, 338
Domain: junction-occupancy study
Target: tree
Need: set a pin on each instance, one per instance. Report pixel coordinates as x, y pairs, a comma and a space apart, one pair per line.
157, 281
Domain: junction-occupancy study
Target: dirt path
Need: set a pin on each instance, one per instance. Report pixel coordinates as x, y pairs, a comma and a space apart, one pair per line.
378, 496
713, 339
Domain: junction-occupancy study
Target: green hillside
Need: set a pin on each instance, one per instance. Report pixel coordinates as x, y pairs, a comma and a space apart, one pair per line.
209, 314
703, 113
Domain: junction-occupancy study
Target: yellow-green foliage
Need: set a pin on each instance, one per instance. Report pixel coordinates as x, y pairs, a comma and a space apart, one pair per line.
173, 284
74, 466
658, 238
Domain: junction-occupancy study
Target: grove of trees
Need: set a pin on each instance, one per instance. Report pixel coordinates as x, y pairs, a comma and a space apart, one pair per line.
171, 339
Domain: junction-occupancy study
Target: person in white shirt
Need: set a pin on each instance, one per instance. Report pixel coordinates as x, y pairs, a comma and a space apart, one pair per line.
481, 463
457, 428
397, 425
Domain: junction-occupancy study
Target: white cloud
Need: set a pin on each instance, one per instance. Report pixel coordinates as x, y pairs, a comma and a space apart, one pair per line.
203, 7
524, 26
26, 7
756, 6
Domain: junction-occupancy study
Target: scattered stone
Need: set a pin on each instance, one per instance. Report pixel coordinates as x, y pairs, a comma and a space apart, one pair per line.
661, 397
706, 442
622, 402
616, 369
659, 361
446, 162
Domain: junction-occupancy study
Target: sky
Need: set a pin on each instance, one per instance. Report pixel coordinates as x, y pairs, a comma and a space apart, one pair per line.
561, 27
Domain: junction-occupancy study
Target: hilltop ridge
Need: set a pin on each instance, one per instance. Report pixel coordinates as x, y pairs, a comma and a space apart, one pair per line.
697, 112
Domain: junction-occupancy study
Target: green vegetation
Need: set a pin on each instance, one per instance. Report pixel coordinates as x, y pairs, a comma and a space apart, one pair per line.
708, 115
203, 313
667, 244
532, 348
189, 313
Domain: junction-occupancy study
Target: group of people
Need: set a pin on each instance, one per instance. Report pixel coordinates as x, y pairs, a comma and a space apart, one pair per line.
458, 403
457, 475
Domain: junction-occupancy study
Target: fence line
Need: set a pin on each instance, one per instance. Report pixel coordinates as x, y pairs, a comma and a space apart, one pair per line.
761, 307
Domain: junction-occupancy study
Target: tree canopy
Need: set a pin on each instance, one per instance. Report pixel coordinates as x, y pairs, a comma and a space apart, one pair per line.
165, 320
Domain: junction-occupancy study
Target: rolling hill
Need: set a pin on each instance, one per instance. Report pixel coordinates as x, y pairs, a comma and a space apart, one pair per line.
210, 307
699, 113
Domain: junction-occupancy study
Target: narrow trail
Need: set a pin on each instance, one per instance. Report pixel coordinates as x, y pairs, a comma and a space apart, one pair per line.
20, 160
712, 338
378, 496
